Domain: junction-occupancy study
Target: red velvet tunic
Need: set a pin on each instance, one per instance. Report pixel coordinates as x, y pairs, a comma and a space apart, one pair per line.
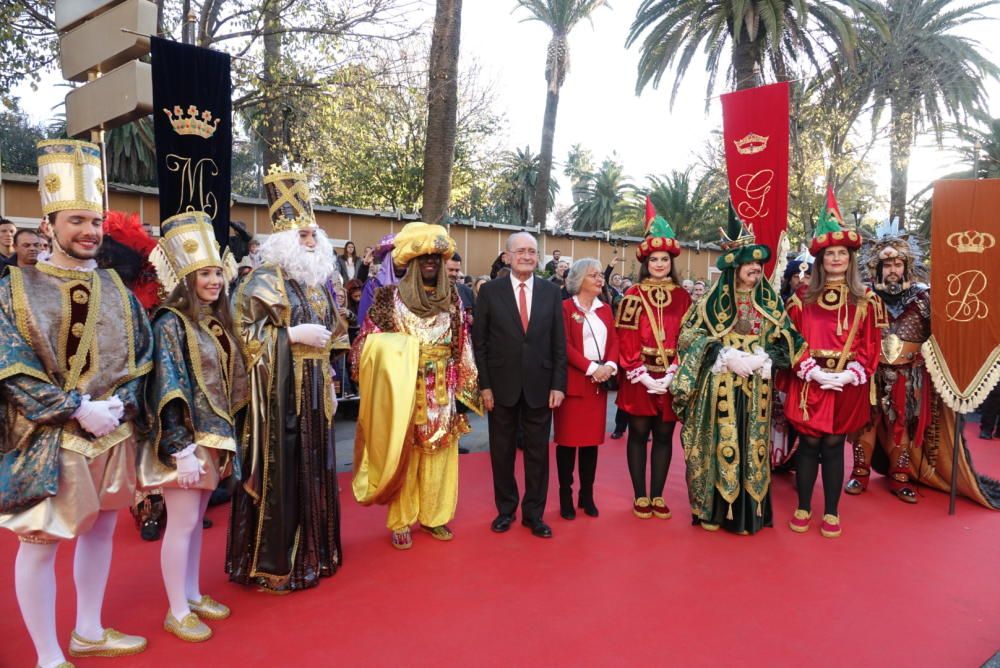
826, 327
582, 417
667, 302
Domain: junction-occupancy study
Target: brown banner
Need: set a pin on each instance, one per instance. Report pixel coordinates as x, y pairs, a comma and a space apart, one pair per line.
963, 353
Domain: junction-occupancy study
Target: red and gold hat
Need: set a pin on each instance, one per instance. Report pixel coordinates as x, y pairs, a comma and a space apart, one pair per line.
830, 229
659, 235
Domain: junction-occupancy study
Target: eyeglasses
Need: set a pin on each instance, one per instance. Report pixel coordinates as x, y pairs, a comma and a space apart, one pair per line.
597, 276
531, 252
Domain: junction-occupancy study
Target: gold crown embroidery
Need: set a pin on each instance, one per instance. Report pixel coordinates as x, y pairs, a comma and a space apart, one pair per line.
194, 123
752, 143
971, 241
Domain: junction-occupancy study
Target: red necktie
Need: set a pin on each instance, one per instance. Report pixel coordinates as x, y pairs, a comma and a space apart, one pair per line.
522, 306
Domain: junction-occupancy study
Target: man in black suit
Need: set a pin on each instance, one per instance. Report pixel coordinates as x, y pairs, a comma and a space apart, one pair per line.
520, 350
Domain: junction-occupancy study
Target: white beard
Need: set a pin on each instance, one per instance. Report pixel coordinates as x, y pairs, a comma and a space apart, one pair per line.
307, 267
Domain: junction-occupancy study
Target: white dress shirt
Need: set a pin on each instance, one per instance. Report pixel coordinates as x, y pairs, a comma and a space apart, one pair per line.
528, 286
595, 335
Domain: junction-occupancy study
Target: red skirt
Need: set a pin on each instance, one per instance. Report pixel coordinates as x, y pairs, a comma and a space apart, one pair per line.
581, 421
635, 400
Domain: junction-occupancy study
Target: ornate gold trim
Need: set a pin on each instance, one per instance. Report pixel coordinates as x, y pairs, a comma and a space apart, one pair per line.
94, 448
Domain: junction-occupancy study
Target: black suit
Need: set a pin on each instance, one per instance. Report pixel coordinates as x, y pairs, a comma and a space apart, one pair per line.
520, 368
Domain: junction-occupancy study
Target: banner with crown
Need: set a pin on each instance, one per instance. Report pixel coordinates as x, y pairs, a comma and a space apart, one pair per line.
755, 131
963, 352
192, 120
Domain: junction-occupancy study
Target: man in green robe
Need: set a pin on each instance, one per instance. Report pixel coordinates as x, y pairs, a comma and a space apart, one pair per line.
730, 342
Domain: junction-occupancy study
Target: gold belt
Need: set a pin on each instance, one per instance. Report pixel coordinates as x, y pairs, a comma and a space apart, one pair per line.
829, 358
653, 361
437, 355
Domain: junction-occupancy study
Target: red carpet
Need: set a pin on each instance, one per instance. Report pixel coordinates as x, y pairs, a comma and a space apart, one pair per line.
906, 585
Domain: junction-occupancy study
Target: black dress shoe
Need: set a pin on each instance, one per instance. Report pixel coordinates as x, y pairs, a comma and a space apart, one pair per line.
617, 434
502, 523
463, 451
538, 528
985, 434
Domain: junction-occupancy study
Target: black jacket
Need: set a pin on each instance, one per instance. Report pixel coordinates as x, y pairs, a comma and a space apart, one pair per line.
510, 360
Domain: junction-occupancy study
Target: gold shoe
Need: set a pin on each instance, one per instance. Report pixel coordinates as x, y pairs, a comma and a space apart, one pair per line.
64, 664
660, 509
440, 532
641, 508
190, 629
208, 608
708, 526
113, 643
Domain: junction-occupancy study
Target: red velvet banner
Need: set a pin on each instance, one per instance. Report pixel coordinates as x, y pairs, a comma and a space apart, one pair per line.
963, 353
755, 130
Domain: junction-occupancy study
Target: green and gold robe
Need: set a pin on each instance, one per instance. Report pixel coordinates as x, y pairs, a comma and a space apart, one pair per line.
727, 419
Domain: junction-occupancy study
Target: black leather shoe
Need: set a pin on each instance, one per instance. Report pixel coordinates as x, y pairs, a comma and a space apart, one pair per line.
985, 434
463, 451
502, 523
617, 434
566, 510
539, 528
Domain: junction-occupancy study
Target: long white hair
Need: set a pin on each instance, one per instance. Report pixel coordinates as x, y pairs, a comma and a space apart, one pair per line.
311, 268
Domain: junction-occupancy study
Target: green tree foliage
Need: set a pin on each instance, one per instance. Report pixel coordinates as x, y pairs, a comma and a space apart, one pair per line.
511, 192
690, 204
579, 166
18, 136
925, 73
605, 200
755, 36
27, 42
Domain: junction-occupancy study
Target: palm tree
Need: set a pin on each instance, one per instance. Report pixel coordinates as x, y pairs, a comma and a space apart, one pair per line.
605, 199
925, 74
687, 203
579, 166
758, 33
442, 109
517, 184
561, 16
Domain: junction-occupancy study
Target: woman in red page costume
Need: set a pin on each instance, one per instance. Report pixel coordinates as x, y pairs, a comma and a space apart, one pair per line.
649, 320
829, 395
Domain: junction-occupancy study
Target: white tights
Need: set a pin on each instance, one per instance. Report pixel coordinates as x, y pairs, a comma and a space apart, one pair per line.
35, 586
180, 556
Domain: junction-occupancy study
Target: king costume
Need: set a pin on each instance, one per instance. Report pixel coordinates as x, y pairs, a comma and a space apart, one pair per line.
285, 527
902, 385
75, 346
727, 417
413, 359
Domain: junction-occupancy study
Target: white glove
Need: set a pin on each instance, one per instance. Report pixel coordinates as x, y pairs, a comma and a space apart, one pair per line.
652, 385
833, 380
764, 367
816, 375
96, 417
669, 378
116, 407
310, 335
741, 363
189, 469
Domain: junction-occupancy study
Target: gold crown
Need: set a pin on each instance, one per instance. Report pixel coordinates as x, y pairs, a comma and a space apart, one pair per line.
289, 201
752, 143
194, 123
746, 237
971, 241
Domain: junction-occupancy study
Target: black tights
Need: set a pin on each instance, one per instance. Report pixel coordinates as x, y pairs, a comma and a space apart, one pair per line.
828, 449
639, 427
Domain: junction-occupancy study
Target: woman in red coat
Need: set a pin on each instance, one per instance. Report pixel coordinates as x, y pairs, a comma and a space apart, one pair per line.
829, 394
592, 351
649, 320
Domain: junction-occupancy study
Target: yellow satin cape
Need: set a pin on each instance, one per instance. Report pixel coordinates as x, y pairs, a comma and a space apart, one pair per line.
387, 377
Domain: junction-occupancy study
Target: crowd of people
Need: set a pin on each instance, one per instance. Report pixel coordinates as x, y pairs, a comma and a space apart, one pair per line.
238, 374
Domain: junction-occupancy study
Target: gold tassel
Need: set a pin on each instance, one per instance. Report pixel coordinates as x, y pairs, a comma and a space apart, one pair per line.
164, 272
804, 400
729, 515
760, 512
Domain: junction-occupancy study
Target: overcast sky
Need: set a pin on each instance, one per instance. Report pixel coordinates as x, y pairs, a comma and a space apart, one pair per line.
598, 106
